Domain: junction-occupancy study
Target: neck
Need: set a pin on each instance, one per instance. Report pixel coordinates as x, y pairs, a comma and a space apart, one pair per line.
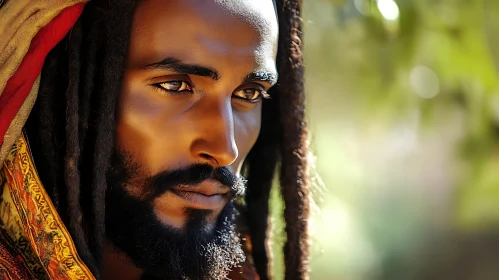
116, 265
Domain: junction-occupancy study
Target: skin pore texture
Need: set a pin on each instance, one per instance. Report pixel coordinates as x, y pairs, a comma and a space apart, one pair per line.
196, 75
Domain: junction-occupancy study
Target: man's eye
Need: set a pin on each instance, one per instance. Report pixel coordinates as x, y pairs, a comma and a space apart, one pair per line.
175, 86
250, 94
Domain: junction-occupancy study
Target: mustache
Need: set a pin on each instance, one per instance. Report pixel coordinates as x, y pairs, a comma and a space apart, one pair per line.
193, 175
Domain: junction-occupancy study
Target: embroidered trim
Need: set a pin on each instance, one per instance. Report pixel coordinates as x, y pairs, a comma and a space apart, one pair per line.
28, 207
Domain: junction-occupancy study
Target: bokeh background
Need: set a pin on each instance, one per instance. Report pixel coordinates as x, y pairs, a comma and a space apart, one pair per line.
403, 104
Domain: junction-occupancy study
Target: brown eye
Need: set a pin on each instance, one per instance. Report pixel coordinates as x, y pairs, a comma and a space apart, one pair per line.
250, 94
175, 86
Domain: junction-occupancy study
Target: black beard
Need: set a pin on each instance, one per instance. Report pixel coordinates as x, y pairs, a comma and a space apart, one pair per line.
165, 252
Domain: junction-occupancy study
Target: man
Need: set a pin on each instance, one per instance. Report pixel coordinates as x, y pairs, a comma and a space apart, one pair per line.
147, 116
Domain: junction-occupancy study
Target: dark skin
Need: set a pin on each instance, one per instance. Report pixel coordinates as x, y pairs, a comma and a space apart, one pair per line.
196, 76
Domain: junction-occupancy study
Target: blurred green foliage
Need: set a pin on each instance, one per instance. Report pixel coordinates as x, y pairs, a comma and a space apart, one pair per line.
404, 110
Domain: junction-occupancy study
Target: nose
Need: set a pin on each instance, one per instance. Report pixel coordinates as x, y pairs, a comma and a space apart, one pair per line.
215, 142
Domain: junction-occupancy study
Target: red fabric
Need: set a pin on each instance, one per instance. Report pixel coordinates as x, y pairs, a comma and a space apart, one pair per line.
20, 84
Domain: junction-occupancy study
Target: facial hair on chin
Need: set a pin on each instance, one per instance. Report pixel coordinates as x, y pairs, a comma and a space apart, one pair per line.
193, 252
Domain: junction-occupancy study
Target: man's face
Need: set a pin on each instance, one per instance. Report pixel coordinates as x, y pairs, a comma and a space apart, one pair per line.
196, 75
192, 92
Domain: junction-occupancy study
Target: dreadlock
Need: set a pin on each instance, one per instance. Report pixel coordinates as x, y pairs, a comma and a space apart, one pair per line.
283, 139
72, 125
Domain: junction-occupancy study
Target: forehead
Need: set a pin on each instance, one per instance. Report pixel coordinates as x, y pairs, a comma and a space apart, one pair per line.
200, 30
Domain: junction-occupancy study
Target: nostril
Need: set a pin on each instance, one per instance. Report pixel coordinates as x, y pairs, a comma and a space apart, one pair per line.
209, 158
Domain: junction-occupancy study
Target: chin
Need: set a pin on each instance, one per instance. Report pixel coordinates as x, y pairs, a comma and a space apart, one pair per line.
205, 220
168, 234
192, 250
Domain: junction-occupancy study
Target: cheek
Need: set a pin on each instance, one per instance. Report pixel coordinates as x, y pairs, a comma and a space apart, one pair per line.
138, 125
134, 126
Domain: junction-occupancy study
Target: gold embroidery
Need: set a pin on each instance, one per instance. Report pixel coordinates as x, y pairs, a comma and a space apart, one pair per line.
27, 212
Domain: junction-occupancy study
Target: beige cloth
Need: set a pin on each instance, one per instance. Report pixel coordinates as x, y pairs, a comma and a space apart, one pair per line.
20, 21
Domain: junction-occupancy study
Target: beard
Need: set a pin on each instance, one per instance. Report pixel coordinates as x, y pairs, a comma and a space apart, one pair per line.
195, 251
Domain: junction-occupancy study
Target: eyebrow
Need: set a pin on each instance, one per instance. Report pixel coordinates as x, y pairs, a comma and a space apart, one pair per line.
176, 65
262, 76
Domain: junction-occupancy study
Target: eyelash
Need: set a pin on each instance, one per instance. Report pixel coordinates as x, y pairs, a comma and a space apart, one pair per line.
158, 86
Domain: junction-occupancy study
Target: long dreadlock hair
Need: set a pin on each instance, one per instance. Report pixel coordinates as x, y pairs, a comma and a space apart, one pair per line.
71, 133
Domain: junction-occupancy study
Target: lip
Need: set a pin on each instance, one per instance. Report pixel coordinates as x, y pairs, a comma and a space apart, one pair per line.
208, 187
209, 195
